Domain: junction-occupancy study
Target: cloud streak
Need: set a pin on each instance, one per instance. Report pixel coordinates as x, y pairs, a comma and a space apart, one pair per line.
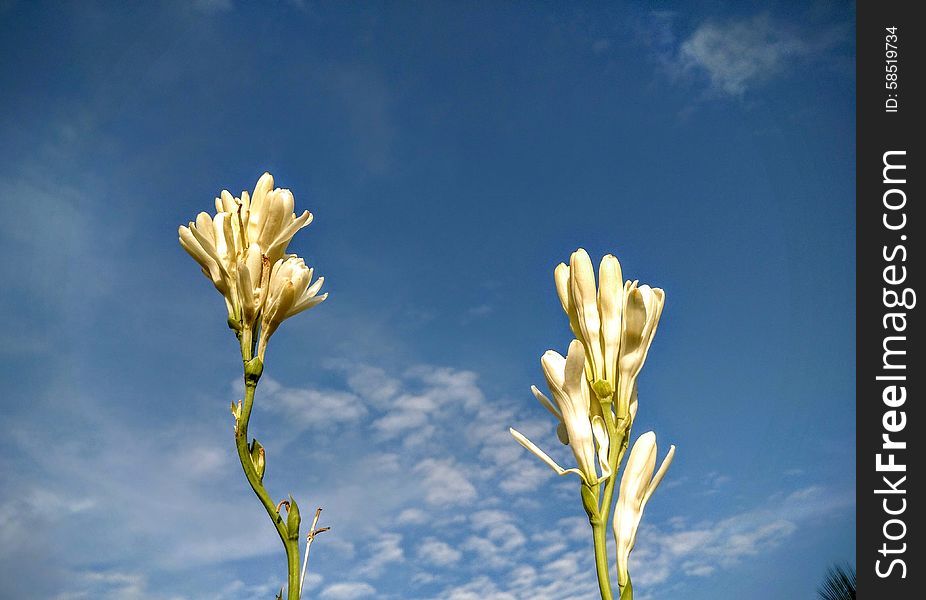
734, 56
739, 54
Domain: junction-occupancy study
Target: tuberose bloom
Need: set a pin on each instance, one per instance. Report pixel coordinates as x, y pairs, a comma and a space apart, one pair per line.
239, 247
577, 427
642, 309
289, 293
594, 313
211, 242
267, 217
615, 322
637, 485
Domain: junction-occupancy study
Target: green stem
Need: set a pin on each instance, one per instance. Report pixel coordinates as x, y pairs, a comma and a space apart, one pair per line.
599, 517
615, 458
292, 567
253, 369
600, 531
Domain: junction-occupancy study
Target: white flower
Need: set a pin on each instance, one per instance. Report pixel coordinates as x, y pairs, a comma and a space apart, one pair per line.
210, 241
289, 293
251, 292
238, 248
637, 485
269, 218
615, 322
577, 426
642, 309
266, 218
594, 314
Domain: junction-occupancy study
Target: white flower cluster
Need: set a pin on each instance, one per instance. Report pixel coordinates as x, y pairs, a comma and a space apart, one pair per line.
242, 250
594, 387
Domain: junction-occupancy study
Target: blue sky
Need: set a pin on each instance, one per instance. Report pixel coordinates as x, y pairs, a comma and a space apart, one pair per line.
452, 156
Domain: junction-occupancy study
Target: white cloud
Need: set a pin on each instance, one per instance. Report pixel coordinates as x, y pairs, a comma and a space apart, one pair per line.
408, 417
482, 588
385, 550
106, 585
426, 392
445, 483
348, 591
569, 577
700, 550
373, 384
496, 539
412, 516
438, 553
309, 408
738, 54
476, 526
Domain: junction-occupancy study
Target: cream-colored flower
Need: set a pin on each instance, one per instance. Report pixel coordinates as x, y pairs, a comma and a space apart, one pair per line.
266, 218
290, 292
238, 248
577, 426
271, 222
210, 241
250, 291
642, 309
594, 314
637, 485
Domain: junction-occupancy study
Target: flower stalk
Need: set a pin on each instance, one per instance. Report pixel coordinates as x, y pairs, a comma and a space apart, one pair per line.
595, 402
242, 251
309, 538
253, 369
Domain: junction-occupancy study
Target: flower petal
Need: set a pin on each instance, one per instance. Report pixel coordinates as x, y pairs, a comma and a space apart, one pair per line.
554, 370
547, 404
574, 372
563, 290
541, 454
601, 437
657, 478
610, 306
585, 297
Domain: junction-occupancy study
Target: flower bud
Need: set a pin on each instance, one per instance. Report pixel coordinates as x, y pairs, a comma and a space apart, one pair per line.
289, 293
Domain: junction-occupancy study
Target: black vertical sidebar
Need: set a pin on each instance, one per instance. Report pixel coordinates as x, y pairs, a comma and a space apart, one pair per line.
890, 374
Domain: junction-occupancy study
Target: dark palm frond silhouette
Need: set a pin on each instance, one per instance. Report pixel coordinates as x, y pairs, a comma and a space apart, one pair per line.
839, 584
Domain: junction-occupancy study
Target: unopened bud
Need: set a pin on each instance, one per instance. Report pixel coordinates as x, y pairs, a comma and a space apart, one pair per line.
257, 458
603, 390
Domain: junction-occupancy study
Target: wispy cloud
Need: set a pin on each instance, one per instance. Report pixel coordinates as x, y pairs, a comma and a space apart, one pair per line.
738, 54
734, 56
478, 311
348, 591
310, 408
438, 553
454, 490
384, 550
111, 584
445, 482
702, 548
